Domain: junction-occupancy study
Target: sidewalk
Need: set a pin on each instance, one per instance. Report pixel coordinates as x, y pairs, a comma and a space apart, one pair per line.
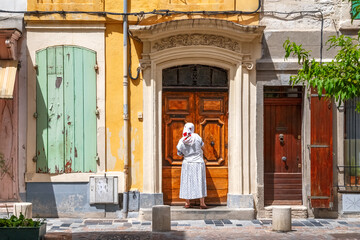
111, 229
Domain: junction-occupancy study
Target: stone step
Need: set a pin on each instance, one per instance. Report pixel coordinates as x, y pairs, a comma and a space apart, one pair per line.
296, 211
212, 213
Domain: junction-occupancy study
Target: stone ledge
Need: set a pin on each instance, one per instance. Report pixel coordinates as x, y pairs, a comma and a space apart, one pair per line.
212, 213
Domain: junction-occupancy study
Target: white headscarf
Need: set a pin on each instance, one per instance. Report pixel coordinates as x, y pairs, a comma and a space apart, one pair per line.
187, 134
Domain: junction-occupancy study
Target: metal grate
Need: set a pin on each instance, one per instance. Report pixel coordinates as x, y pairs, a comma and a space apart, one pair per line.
351, 167
195, 77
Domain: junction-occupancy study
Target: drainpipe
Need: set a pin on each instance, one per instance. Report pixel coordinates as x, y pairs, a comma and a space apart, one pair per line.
126, 113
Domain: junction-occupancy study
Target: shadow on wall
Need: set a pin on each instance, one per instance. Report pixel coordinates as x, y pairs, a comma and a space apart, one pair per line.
118, 235
268, 70
62, 200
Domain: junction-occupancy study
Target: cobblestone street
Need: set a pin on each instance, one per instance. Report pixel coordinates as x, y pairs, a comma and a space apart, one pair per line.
201, 229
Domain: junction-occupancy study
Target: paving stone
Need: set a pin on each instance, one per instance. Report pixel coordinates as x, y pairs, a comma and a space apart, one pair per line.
91, 222
323, 222
297, 224
217, 221
256, 222
317, 224
266, 222
65, 225
146, 223
174, 224
55, 227
136, 222
239, 225
226, 221
127, 224
207, 221
219, 225
342, 222
307, 223
108, 222
120, 220
75, 225
184, 225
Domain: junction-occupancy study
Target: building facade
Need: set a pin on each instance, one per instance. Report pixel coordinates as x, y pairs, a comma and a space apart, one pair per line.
12, 102
105, 107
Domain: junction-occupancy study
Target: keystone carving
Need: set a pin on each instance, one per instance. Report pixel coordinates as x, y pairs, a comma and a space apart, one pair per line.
197, 39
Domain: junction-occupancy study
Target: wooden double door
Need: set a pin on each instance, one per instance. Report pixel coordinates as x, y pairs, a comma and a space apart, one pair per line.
282, 151
208, 111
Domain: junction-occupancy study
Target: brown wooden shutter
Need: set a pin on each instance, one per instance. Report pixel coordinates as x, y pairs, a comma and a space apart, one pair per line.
321, 152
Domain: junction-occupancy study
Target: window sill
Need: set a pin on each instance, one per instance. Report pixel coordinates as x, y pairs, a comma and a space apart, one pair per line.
348, 189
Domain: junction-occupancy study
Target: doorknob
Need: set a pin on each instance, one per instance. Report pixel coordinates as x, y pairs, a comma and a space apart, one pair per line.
284, 158
212, 143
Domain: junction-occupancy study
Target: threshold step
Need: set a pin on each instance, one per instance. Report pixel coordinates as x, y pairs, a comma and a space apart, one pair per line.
212, 213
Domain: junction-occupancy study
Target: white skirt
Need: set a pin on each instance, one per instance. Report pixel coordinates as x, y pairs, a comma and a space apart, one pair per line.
193, 180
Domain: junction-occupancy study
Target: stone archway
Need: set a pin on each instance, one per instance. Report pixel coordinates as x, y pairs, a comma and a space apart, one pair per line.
211, 42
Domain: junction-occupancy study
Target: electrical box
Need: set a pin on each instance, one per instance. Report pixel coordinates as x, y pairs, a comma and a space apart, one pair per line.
104, 189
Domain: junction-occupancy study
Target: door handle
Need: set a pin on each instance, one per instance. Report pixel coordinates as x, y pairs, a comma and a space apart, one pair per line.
212, 143
284, 158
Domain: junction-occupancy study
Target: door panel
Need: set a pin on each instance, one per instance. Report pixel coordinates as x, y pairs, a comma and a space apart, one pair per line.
178, 109
9, 187
282, 148
321, 152
207, 110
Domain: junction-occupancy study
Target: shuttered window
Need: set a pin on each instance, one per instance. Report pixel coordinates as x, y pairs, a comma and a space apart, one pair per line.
65, 110
352, 144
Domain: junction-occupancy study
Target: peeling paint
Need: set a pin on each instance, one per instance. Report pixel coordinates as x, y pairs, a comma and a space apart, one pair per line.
72, 203
111, 159
120, 152
58, 82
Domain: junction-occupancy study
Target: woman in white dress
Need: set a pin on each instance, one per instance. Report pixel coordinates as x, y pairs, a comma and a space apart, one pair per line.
193, 174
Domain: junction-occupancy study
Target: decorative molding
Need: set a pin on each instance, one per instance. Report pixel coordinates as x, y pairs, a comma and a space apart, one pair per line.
144, 64
197, 39
249, 65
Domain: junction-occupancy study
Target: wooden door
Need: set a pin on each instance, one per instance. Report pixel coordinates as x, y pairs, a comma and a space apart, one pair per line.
208, 112
321, 152
9, 188
282, 151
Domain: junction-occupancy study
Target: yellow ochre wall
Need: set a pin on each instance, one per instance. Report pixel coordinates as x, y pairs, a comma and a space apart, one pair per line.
114, 56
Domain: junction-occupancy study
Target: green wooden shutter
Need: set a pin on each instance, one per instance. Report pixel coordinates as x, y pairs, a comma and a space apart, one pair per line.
66, 105
355, 4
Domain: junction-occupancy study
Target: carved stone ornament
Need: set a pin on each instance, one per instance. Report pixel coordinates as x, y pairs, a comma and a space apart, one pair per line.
11, 43
248, 65
197, 39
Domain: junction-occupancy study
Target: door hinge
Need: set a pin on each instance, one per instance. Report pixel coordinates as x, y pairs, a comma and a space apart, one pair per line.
97, 112
318, 146
96, 68
35, 158
35, 115
97, 158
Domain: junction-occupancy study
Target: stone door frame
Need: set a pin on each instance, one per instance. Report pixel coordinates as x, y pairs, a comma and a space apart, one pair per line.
212, 42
